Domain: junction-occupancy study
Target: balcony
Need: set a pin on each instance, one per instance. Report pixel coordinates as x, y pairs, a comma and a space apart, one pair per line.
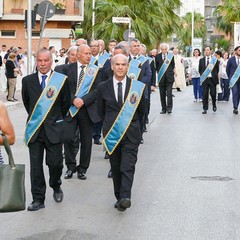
66, 10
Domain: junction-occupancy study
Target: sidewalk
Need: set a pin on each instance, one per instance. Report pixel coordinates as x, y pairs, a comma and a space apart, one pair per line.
12, 105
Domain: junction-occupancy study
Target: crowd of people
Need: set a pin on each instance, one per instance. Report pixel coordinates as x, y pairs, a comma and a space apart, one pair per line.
92, 93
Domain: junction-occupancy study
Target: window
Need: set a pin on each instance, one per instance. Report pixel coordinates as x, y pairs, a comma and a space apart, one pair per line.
8, 33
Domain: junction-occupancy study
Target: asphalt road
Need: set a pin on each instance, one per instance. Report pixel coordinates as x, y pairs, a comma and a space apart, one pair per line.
186, 185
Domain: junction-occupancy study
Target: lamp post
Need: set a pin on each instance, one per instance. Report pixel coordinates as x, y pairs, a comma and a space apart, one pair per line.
29, 37
192, 27
93, 18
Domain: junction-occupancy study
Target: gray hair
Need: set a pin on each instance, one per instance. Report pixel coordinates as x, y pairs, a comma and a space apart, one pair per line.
117, 56
164, 45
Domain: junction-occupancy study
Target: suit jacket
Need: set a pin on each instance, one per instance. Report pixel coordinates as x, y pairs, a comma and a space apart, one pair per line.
231, 66
169, 73
202, 66
90, 98
31, 91
108, 110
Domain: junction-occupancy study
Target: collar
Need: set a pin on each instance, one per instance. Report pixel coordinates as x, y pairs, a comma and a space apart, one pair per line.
115, 81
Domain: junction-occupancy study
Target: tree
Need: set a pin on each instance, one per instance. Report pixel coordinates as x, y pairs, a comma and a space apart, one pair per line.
226, 14
184, 32
152, 20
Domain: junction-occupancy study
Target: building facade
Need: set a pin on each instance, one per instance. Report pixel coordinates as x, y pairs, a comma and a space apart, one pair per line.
59, 29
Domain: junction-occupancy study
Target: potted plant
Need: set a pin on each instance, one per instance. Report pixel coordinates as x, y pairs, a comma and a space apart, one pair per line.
60, 7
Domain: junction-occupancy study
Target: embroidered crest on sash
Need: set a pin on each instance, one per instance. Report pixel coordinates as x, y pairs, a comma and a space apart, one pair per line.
133, 98
50, 92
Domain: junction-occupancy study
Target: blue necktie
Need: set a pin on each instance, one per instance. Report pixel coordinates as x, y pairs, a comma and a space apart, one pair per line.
43, 81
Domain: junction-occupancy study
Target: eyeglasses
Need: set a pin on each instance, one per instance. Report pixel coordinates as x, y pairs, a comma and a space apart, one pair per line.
94, 46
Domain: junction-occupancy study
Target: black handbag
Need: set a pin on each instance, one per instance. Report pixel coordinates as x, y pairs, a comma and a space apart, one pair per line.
12, 183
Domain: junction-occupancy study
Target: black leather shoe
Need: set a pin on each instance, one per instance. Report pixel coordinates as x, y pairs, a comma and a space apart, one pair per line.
214, 109
122, 204
144, 128
163, 112
204, 112
169, 111
58, 195
82, 176
106, 156
97, 142
68, 174
110, 174
35, 205
235, 111
15, 99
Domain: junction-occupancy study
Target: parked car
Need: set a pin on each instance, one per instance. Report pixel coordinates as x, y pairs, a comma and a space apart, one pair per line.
187, 63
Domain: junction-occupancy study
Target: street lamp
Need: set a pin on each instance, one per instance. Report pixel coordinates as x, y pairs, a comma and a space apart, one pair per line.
93, 18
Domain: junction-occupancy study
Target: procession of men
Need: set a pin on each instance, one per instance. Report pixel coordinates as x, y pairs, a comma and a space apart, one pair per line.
102, 96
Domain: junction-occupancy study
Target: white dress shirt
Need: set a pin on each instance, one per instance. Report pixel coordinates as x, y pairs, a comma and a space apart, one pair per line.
40, 77
115, 86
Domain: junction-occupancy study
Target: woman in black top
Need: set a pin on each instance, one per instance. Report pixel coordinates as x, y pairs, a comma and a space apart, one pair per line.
11, 72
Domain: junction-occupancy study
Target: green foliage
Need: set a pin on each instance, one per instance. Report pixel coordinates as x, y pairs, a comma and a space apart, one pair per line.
184, 32
152, 20
223, 44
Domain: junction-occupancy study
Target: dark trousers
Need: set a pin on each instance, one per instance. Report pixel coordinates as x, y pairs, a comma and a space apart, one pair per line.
197, 88
85, 125
236, 94
123, 161
54, 161
97, 128
165, 88
209, 86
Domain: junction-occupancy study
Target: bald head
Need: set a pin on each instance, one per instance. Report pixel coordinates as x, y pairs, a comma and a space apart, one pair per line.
84, 54
119, 64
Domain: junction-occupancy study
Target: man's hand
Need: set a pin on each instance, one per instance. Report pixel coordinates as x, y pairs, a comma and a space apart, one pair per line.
78, 103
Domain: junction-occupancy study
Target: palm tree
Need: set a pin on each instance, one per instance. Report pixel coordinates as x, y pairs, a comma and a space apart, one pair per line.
152, 21
184, 32
226, 14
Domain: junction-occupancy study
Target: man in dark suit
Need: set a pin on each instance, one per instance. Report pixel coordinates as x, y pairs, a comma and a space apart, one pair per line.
167, 80
48, 134
232, 65
209, 85
124, 156
85, 117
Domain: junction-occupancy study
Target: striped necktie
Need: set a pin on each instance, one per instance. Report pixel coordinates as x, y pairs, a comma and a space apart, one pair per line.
81, 74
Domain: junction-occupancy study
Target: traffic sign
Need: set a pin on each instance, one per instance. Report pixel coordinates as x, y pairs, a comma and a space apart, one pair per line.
46, 5
121, 20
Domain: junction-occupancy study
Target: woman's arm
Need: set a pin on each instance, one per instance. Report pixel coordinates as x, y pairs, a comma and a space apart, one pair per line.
6, 126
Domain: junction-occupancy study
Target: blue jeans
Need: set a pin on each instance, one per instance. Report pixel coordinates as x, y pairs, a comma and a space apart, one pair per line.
225, 89
197, 88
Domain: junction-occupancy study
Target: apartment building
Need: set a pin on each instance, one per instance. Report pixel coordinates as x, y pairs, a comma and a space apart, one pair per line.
59, 29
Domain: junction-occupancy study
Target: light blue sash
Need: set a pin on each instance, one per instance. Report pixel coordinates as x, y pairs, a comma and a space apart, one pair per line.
85, 86
93, 60
102, 59
124, 117
44, 104
165, 66
142, 59
235, 77
208, 69
134, 70
150, 60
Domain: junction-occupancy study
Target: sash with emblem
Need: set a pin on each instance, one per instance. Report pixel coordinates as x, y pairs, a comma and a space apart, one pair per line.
134, 70
165, 66
44, 104
85, 86
102, 59
235, 76
142, 59
208, 70
124, 118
